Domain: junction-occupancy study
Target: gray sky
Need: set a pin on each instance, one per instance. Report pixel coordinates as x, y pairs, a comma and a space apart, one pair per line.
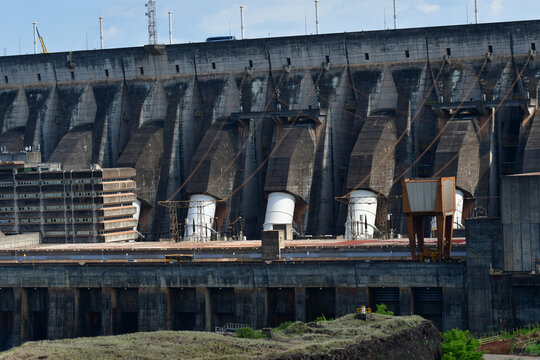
67, 24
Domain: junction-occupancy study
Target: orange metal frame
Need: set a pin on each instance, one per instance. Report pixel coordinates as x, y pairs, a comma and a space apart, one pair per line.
415, 220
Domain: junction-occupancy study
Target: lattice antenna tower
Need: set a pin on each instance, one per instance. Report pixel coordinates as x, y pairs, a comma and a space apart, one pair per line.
152, 27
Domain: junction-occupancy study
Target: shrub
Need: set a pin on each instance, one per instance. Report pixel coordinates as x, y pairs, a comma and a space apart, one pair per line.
460, 345
283, 326
533, 349
249, 333
382, 309
322, 318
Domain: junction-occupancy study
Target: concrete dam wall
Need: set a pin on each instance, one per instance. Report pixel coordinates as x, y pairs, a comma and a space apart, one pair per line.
312, 117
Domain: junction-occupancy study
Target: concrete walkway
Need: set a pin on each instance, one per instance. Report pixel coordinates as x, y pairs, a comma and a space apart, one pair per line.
508, 357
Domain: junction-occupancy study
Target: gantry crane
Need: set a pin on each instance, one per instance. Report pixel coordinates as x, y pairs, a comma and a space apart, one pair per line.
173, 206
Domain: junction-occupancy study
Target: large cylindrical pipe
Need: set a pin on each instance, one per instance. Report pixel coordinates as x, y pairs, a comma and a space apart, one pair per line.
137, 204
279, 210
200, 218
458, 214
361, 215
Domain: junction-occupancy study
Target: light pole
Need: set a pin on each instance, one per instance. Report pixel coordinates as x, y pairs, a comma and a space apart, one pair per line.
170, 27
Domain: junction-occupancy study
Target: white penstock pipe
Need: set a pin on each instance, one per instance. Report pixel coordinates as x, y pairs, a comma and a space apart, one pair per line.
361, 215
200, 218
137, 204
279, 210
458, 214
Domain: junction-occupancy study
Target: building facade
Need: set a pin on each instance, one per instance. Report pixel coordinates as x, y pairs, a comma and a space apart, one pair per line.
68, 206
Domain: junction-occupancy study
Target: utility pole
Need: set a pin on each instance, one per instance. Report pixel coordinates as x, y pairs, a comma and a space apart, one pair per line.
242, 21
476, 10
170, 27
395, 16
100, 32
35, 37
152, 27
317, 17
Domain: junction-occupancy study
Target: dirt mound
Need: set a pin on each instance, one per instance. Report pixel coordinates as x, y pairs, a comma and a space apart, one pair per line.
420, 342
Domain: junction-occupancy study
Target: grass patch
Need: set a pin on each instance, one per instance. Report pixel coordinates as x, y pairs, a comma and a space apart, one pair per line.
283, 326
314, 338
249, 333
322, 318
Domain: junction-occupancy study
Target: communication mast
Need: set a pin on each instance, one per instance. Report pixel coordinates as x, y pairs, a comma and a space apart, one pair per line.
152, 27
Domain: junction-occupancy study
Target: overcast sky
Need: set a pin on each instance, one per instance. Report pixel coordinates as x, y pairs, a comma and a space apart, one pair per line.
73, 24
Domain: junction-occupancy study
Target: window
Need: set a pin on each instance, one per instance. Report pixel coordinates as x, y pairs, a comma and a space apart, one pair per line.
107, 73
533, 47
178, 69
407, 53
39, 77
7, 80
448, 52
327, 58
214, 65
288, 61
367, 56
72, 75
141, 70
490, 49
250, 63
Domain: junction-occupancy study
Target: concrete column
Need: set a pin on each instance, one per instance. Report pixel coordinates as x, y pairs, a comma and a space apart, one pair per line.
346, 301
203, 310
63, 313
362, 294
405, 301
243, 302
454, 309
20, 316
259, 308
109, 313
152, 309
300, 303
170, 305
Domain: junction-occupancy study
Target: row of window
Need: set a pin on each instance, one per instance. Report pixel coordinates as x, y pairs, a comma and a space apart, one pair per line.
62, 194
60, 182
62, 207
69, 233
53, 182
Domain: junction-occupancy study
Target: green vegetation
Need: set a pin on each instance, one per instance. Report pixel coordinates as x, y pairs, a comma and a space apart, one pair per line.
533, 349
519, 332
460, 345
283, 326
322, 318
317, 339
249, 333
382, 309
